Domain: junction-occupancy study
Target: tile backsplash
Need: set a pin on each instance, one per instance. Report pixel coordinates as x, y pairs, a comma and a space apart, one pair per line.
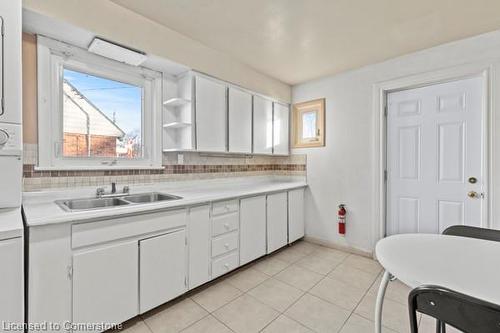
195, 166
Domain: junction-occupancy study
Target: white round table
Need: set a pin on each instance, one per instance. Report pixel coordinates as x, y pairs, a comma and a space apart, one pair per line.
466, 265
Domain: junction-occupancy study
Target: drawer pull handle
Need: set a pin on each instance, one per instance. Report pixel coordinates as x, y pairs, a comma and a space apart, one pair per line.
226, 246
226, 225
226, 266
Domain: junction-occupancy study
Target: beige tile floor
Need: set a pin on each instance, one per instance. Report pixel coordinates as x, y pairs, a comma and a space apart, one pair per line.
302, 288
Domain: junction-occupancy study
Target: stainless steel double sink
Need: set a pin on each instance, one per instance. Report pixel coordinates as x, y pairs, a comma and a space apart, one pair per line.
99, 203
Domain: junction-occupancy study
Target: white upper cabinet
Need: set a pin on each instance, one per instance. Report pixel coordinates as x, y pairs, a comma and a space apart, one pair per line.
262, 125
281, 129
210, 115
240, 121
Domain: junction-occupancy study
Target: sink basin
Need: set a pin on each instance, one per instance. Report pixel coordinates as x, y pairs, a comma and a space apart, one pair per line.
87, 204
150, 197
99, 203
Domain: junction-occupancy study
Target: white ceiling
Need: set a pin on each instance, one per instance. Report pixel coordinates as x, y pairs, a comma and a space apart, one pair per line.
298, 40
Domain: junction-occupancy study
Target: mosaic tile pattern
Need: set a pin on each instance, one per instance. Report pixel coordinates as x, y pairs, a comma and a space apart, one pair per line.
196, 166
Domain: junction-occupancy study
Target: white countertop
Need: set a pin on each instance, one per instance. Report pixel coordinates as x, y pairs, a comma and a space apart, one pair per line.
40, 207
466, 265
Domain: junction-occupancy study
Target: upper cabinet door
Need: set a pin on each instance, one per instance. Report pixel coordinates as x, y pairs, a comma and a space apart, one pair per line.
210, 115
262, 125
281, 129
240, 121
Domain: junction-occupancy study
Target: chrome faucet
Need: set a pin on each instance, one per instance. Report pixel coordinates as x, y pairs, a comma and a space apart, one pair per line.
101, 192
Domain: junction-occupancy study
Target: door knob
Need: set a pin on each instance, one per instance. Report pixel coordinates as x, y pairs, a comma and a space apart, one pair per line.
472, 180
472, 194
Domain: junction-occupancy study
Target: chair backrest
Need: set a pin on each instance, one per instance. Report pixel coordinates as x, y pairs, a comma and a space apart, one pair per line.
473, 232
463, 312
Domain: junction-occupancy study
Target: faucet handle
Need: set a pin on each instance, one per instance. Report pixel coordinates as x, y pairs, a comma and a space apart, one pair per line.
100, 192
126, 189
113, 187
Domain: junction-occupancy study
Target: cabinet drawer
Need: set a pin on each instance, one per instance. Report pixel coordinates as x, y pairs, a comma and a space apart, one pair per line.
224, 244
225, 223
224, 207
84, 234
224, 264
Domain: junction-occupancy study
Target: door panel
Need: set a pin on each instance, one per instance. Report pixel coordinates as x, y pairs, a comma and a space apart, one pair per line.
280, 129
252, 228
199, 245
262, 125
277, 221
162, 269
451, 152
409, 152
12, 286
240, 121
434, 144
296, 215
105, 284
210, 115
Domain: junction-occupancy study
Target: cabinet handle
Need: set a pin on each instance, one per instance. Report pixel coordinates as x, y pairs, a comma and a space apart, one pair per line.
226, 225
226, 246
227, 266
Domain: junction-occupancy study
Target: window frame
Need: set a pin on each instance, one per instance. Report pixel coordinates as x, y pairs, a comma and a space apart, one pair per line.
318, 106
52, 58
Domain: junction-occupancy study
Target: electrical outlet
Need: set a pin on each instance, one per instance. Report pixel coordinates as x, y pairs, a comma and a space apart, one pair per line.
180, 158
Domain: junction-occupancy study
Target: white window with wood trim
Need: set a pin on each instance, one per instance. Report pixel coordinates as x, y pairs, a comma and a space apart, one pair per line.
94, 112
309, 124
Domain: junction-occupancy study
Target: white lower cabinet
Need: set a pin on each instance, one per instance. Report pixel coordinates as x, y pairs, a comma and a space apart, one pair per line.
12, 286
105, 284
225, 250
199, 245
224, 264
295, 215
112, 270
277, 221
252, 228
162, 269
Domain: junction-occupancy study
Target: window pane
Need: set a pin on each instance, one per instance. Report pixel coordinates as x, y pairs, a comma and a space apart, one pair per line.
101, 117
309, 127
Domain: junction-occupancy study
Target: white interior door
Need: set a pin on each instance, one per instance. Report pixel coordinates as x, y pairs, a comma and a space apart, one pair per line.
435, 157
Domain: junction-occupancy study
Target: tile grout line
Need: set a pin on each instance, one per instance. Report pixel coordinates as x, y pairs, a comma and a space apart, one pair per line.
280, 313
359, 302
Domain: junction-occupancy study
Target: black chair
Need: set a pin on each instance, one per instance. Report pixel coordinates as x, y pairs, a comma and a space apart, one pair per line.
470, 232
473, 232
463, 312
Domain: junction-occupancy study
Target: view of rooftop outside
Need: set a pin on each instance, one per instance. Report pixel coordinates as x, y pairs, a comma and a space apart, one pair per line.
101, 118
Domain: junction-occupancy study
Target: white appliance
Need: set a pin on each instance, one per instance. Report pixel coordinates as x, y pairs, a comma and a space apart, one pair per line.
11, 167
10, 105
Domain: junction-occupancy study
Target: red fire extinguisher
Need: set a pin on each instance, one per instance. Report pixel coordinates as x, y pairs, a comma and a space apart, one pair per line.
341, 214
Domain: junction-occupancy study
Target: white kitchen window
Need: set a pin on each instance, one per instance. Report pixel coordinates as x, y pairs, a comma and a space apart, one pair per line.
94, 112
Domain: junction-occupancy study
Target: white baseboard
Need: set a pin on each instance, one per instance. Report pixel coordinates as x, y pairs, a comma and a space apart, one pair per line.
335, 246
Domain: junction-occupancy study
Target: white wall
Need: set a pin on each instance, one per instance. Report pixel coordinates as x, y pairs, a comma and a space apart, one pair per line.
343, 170
109, 20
